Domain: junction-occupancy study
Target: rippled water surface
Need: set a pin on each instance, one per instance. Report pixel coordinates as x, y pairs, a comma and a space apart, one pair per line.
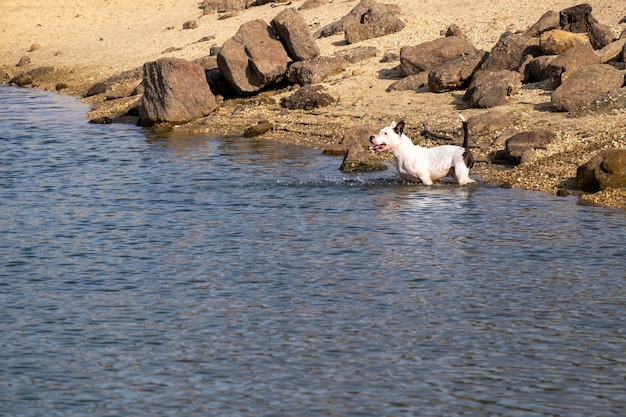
170, 276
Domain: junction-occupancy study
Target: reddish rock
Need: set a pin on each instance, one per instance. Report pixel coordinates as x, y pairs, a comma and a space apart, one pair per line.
432, 54
293, 32
604, 171
253, 58
174, 91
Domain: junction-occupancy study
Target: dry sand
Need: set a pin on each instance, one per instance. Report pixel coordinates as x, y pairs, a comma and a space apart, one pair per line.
89, 41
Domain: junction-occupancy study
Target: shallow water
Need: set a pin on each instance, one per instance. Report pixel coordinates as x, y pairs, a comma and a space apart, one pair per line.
158, 276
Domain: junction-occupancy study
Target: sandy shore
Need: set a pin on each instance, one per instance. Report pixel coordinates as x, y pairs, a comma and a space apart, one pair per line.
89, 42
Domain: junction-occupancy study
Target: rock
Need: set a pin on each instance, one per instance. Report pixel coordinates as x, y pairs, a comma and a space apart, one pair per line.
614, 100
376, 22
97, 88
191, 24
307, 98
536, 69
454, 74
34, 47
520, 147
318, 69
175, 91
293, 32
312, 4
578, 19
569, 61
356, 15
357, 158
491, 88
550, 20
586, 84
258, 129
315, 70
510, 52
613, 51
412, 82
432, 54
492, 121
24, 61
223, 6
555, 42
21, 80
455, 30
253, 58
605, 170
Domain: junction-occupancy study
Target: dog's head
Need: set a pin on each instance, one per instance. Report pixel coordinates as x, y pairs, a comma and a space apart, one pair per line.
388, 138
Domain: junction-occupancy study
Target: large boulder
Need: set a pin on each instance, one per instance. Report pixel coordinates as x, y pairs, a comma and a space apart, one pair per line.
555, 42
570, 61
586, 84
318, 69
253, 58
432, 54
578, 19
293, 32
358, 14
605, 170
175, 91
510, 52
454, 74
412, 82
491, 88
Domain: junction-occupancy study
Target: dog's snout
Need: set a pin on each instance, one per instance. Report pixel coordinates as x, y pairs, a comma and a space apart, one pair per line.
372, 138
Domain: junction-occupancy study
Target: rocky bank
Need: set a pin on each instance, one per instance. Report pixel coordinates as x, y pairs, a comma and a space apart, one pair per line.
529, 124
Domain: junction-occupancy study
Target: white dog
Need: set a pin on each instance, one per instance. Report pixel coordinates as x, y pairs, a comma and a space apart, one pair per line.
418, 164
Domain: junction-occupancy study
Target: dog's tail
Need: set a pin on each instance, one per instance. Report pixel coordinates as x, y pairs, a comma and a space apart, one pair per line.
468, 158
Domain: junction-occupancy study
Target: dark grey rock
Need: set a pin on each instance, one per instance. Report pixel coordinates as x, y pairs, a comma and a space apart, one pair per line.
454, 74
491, 88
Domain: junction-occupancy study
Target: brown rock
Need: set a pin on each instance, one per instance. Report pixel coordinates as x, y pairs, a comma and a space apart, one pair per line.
312, 4
555, 42
454, 74
613, 51
510, 52
258, 129
412, 82
550, 20
223, 6
376, 22
307, 98
356, 15
519, 145
253, 58
569, 61
491, 88
492, 121
174, 91
578, 19
191, 24
586, 84
24, 61
536, 69
614, 100
430, 55
293, 32
315, 70
455, 30
604, 171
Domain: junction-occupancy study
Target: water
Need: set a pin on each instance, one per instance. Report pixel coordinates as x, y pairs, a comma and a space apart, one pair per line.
169, 276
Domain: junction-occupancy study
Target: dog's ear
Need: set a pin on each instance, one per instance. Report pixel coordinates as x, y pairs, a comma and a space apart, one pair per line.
399, 129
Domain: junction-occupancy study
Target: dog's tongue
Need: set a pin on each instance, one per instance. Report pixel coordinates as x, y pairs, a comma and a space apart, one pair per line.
380, 148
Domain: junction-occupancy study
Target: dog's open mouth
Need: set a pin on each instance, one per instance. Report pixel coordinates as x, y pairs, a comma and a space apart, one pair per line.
381, 147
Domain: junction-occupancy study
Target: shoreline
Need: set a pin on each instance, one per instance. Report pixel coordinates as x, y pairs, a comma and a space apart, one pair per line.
360, 90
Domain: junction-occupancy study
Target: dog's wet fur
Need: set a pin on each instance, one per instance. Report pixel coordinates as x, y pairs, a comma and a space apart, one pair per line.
425, 165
